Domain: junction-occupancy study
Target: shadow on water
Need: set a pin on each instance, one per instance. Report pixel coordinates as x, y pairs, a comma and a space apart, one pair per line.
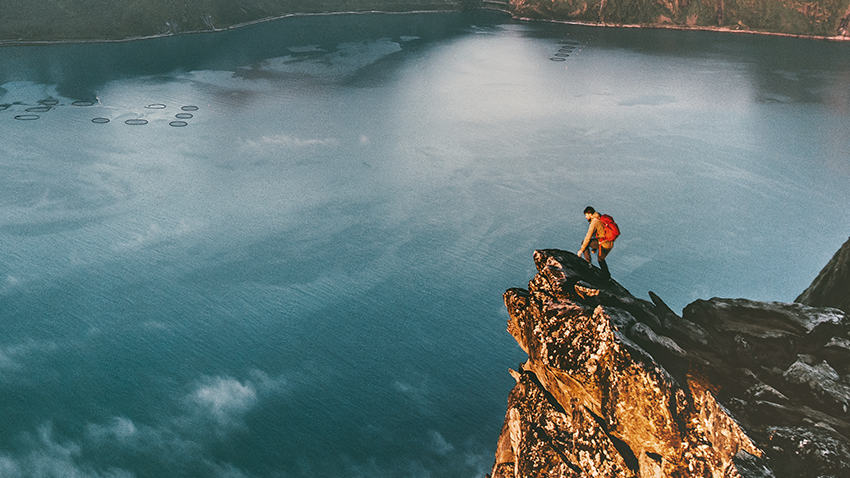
79, 68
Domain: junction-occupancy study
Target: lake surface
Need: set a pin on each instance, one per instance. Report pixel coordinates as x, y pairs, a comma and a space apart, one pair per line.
280, 251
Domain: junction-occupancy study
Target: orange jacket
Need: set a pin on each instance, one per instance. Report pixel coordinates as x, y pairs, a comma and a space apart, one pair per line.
597, 229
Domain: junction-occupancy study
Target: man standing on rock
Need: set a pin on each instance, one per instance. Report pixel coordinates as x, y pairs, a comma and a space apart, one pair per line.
600, 237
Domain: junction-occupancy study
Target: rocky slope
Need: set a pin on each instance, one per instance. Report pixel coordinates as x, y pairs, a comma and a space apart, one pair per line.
616, 386
829, 18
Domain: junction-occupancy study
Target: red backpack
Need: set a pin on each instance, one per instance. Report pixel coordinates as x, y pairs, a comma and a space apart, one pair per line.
612, 231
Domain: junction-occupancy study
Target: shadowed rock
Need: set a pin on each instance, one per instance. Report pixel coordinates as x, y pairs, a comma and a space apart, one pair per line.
831, 288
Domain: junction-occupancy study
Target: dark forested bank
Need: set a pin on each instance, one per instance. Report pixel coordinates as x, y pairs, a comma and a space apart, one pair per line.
94, 20
828, 18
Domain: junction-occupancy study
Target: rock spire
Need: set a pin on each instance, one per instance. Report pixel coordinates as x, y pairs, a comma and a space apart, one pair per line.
831, 288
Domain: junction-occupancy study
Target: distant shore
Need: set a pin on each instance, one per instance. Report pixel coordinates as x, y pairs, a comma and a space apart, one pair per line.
812, 21
215, 30
196, 32
48, 21
839, 39
9, 42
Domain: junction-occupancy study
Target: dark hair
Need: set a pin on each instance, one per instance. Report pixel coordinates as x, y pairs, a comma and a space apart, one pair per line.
589, 210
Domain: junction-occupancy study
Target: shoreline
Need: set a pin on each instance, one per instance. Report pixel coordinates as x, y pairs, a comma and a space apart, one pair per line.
21, 43
839, 39
24, 43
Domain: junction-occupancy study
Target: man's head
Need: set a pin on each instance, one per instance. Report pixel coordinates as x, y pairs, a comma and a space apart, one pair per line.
589, 212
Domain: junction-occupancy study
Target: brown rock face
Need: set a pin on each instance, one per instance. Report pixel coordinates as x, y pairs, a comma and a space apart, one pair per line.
831, 288
616, 386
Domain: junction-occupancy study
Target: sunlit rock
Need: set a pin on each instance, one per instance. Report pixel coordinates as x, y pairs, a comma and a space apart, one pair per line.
617, 386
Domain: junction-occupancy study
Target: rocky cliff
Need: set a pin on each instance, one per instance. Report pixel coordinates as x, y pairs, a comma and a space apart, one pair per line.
616, 386
829, 19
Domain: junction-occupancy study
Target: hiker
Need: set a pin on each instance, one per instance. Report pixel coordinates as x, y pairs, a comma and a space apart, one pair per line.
600, 237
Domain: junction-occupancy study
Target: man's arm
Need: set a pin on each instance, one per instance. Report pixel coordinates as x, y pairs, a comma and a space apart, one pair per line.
590, 230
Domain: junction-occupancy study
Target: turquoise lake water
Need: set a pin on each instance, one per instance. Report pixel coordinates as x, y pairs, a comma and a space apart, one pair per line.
280, 251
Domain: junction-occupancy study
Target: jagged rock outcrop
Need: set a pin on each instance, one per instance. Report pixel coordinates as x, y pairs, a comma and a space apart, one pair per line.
831, 288
616, 386
819, 19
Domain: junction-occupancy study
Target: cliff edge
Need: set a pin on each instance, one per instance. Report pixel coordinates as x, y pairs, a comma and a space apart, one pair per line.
616, 386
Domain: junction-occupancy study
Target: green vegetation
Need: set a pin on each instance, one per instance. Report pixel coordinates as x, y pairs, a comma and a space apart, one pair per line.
79, 20
827, 18
820, 18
